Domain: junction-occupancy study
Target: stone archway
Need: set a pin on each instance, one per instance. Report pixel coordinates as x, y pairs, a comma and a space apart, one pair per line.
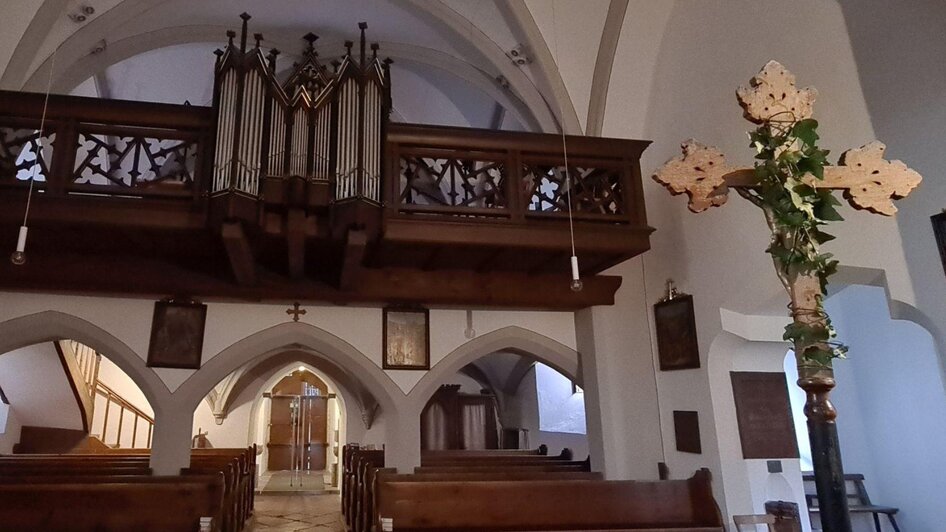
512, 339
50, 325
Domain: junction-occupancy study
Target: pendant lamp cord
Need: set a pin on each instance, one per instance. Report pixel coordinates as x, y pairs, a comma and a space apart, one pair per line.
561, 125
39, 139
653, 355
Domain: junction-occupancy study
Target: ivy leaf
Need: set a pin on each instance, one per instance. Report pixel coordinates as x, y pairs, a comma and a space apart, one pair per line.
806, 131
820, 236
825, 211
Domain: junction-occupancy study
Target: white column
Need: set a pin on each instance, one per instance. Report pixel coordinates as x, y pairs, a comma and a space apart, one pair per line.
402, 439
620, 388
171, 441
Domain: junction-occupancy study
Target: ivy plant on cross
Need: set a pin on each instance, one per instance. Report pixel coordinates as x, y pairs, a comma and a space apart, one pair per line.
793, 184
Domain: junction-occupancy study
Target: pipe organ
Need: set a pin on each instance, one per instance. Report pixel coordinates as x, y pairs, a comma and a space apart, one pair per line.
320, 125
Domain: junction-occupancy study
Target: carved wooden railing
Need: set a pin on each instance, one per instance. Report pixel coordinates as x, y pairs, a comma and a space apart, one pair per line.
111, 397
504, 176
118, 148
88, 361
157, 151
81, 364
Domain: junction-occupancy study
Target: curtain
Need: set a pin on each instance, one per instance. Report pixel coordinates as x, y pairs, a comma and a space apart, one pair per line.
435, 424
473, 419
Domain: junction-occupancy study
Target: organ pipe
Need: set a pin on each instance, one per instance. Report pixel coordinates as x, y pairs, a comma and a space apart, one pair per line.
318, 125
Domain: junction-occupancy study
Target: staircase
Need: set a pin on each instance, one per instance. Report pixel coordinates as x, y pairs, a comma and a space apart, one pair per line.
134, 427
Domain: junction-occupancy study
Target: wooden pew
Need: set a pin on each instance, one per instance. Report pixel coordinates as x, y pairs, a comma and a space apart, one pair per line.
379, 476
557, 466
361, 462
669, 505
455, 458
455, 453
237, 466
144, 504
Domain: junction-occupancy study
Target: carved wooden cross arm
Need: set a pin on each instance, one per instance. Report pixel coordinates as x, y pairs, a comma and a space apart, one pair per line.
868, 180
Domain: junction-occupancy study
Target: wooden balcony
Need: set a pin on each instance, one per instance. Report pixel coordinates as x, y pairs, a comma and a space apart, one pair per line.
124, 204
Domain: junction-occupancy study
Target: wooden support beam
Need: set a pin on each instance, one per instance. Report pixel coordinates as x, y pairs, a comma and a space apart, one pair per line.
295, 241
130, 276
240, 253
352, 261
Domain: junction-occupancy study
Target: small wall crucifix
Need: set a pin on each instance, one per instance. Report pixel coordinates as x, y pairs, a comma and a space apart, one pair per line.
295, 311
792, 184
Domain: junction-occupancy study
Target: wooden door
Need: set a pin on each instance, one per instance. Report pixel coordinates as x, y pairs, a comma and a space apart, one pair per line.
312, 432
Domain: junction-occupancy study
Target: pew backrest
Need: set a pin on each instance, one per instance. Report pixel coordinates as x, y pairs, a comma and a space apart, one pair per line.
549, 505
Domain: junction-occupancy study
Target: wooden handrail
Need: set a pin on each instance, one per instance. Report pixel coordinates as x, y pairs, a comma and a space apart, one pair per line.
110, 397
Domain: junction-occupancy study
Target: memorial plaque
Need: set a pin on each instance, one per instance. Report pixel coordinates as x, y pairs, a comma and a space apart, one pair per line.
686, 430
764, 414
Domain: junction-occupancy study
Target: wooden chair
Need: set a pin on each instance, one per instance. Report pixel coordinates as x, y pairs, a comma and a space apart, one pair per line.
858, 500
743, 521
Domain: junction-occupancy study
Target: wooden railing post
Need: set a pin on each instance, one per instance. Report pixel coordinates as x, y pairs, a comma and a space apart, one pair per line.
64, 158
516, 201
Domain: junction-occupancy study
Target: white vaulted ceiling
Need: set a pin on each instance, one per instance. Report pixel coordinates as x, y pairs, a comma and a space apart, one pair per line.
451, 64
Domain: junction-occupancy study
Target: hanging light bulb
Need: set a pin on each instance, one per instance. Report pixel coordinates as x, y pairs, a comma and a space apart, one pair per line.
19, 256
469, 332
576, 284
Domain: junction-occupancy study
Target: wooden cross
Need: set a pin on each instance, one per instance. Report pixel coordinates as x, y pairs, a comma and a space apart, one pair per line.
867, 181
295, 312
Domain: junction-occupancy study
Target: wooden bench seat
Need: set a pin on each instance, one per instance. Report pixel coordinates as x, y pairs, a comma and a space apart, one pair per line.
158, 504
670, 505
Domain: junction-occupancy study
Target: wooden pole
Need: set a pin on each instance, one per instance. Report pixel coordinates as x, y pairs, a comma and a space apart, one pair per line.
818, 380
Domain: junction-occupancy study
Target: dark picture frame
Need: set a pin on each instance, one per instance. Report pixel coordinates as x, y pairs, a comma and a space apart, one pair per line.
677, 346
686, 431
177, 334
405, 331
764, 415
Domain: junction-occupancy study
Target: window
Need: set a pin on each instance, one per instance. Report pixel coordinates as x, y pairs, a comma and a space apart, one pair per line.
561, 402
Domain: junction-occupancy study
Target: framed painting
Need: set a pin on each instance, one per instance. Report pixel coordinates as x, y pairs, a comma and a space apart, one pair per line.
675, 322
406, 337
177, 335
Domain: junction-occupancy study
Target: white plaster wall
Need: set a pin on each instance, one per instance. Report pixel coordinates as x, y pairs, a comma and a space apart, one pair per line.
905, 87
129, 320
119, 381
892, 408
572, 31
36, 385
11, 429
16, 17
744, 484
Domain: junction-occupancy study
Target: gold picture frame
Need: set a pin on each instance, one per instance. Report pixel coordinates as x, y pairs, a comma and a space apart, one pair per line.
406, 338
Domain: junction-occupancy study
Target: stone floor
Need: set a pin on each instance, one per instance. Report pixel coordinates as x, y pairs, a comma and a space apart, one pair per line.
297, 513
283, 481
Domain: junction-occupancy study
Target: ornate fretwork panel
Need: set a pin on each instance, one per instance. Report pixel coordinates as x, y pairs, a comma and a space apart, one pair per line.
450, 182
134, 161
594, 190
18, 149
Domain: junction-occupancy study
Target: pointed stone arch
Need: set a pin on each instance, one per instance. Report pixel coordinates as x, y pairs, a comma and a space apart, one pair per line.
50, 326
511, 339
278, 339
